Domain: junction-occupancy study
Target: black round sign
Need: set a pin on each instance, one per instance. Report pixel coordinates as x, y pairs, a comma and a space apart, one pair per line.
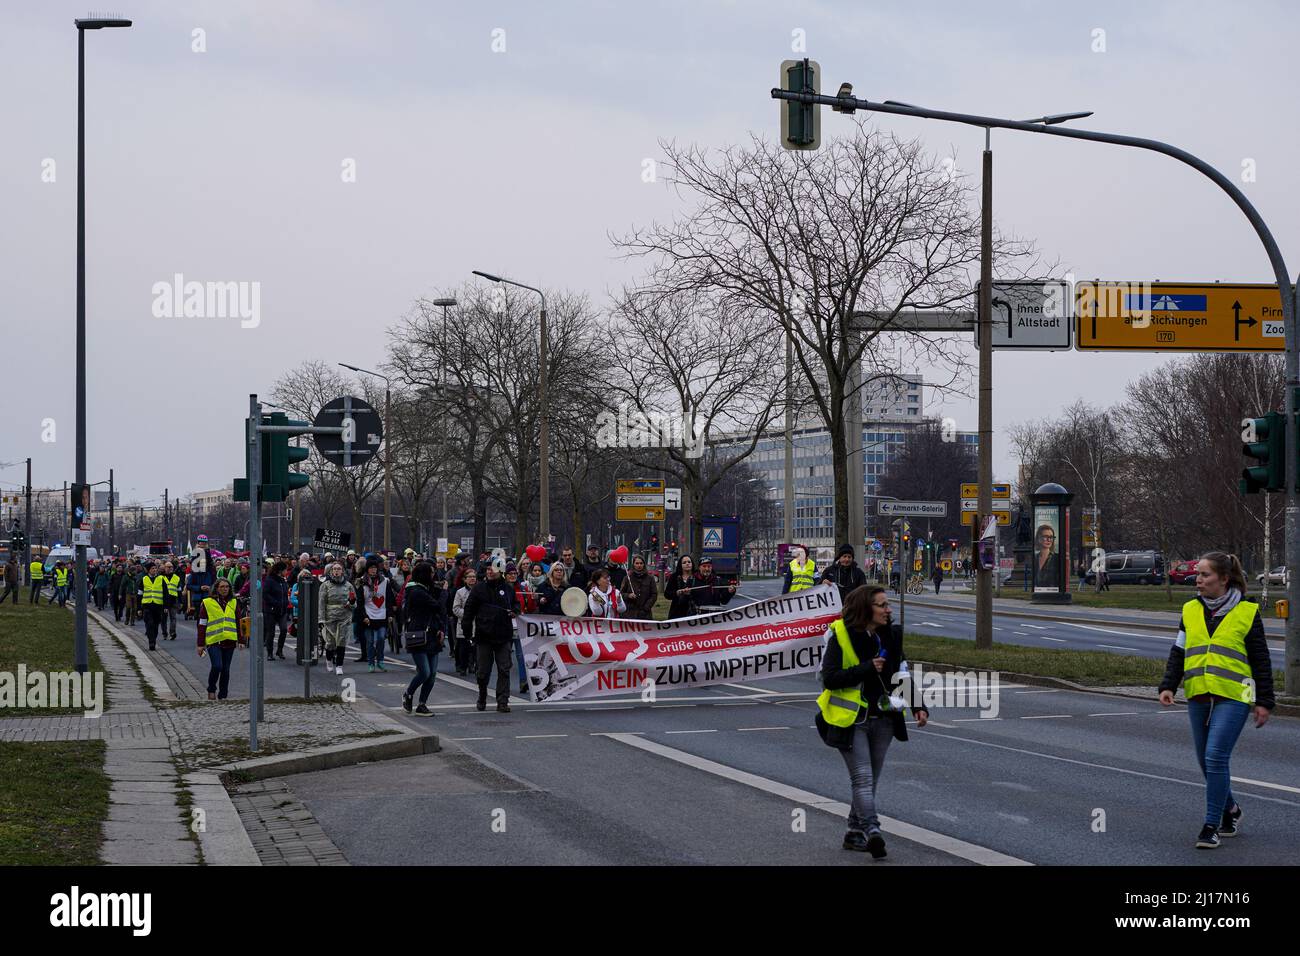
357, 446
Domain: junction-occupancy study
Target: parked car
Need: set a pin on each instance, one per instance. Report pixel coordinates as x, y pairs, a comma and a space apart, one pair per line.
1133, 567
1277, 576
1183, 572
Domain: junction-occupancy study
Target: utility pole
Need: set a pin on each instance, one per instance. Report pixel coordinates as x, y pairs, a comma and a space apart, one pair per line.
789, 438
297, 515
27, 559
984, 576
111, 527
167, 515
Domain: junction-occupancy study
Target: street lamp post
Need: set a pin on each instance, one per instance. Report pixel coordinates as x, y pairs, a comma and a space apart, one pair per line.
448, 302
82, 648
544, 438
388, 458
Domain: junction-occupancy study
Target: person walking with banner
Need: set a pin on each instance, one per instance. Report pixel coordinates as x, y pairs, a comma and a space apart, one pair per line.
604, 600
1221, 657
552, 589
641, 591
860, 710
678, 589
218, 636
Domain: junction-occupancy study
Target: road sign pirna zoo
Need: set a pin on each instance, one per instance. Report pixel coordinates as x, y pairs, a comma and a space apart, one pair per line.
1178, 317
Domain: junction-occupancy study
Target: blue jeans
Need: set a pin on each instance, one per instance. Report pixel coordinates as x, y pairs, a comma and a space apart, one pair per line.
1216, 724
426, 672
221, 656
375, 642
865, 762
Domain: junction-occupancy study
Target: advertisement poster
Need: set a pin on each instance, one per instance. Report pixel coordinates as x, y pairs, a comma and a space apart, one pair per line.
1046, 559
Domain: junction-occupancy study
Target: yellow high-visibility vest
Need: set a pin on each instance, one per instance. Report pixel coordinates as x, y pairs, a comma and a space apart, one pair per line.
1217, 663
840, 708
221, 622
60, 577
801, 576
36, 572
173, 585
153, 590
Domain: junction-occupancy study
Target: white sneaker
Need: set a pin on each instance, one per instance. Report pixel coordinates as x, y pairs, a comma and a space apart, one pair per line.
339, 671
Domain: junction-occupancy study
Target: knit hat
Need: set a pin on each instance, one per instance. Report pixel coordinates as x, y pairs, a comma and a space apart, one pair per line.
845, 549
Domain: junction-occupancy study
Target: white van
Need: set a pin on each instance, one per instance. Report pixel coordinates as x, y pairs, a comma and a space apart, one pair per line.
68, 556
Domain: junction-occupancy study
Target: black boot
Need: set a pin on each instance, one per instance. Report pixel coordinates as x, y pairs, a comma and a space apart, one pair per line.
482, 697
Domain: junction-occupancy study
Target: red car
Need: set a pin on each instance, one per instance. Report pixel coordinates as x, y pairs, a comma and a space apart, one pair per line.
1183, 572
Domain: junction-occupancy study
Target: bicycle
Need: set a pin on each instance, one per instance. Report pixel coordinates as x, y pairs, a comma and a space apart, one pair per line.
916, 584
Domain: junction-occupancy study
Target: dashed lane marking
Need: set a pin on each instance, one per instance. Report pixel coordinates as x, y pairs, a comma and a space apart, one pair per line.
743, 729
690, 731
1118, 647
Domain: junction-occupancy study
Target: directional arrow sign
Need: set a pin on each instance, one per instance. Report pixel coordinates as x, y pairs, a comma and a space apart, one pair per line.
920, 509
970, 489
973, 504
1176, 317
1031, 315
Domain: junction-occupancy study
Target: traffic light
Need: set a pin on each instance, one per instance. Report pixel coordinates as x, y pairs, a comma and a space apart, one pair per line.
907, 541
654, 542
801, 124
1264, 439
276, 480
18, 545
282, 456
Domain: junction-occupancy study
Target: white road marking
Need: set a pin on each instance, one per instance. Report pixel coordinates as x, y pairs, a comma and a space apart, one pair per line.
668, 706
1054, 690
1037, 627
1118, 713
459, 739
751, 689
742, 729
930, 624
537, 736
1045, 716
1265, 783
977, 720
1058, 640
690, 731
907, 831
1013, 817
738, 703
1118, 647
996, 628
1111, 630
1199, 784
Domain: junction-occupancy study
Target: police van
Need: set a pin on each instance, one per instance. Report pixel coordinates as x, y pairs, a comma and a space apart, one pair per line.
1132, 567
68, 556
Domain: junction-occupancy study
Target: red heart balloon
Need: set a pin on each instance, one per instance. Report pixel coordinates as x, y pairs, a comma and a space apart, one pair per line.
535, 552
619, 554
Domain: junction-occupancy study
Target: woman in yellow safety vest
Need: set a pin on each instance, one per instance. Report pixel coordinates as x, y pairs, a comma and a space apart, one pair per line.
799, 575
151, 591
219, 635
861, 709
1222, 659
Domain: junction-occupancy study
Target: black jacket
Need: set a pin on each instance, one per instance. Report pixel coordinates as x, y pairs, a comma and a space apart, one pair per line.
718, 592
873, 683
683, 603
425, 610
1261, 665
846, 579
580, 576
487, 612
641, 605
548, 598
275, 596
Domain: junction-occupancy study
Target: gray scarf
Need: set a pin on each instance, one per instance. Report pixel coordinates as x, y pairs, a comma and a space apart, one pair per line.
1222, 604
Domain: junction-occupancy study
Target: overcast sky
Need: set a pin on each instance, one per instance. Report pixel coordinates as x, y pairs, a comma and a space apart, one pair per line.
226, 166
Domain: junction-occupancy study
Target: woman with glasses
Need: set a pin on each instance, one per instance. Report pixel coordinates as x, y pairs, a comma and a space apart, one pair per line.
1047, 563
861, 709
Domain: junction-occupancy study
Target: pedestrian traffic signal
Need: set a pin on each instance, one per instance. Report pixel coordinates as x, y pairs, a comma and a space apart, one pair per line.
801, 125
264, 479
282, 455
1264, 439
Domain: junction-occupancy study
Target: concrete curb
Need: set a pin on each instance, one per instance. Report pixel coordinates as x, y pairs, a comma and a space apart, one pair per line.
329, 758
224, 840
1279, 710
148, 669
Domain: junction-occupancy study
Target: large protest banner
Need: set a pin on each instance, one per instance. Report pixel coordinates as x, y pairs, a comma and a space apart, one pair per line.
575, 658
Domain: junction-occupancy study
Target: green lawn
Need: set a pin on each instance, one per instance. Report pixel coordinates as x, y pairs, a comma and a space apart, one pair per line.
53, 801
42, 638
1093, 668
1138, 597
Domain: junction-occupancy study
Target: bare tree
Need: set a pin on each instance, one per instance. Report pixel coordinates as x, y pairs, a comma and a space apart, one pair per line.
691, 365
867, 224
929, 468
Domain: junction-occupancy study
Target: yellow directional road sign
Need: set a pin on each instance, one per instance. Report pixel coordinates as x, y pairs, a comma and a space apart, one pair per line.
970, 489
1178, 317
1004, 517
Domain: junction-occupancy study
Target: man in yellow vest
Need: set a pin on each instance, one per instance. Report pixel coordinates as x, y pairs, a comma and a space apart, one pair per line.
861, 708
36, 576
800, 574
152, 589
218, 625
62, 576
1222, 658
171, 598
